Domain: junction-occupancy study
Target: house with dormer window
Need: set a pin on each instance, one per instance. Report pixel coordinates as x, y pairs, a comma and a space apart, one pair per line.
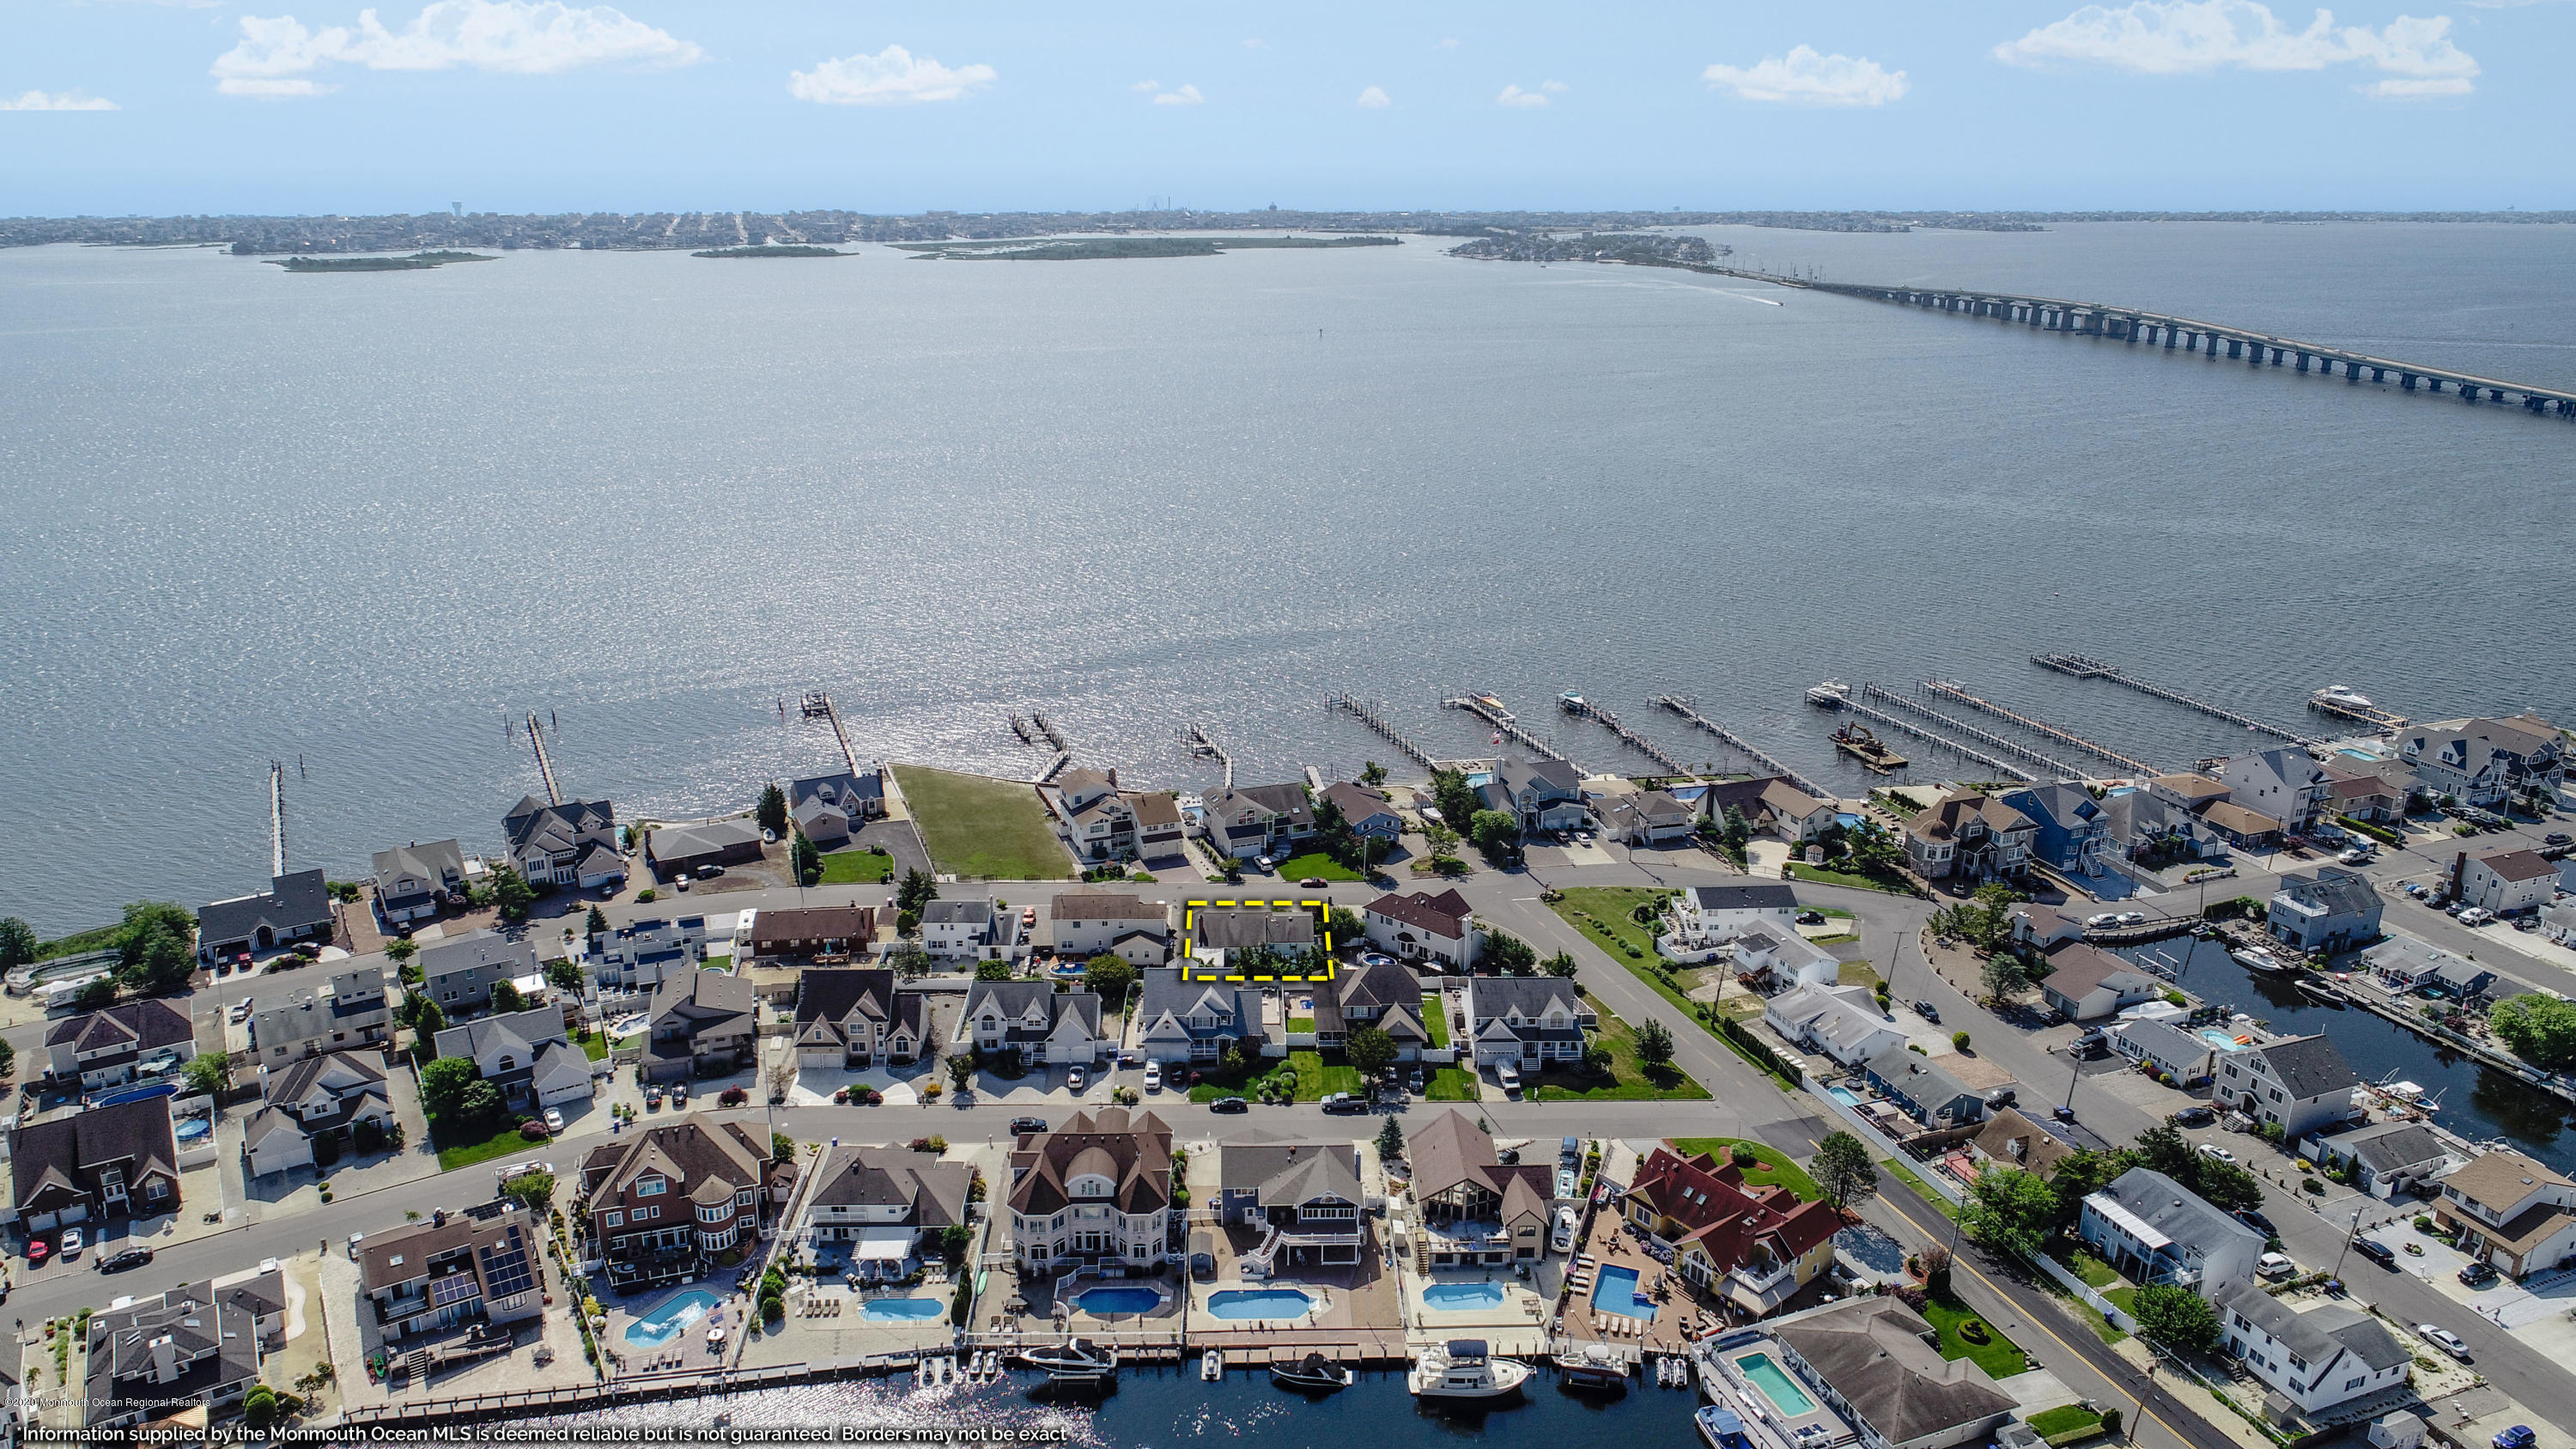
1086, 924
1970, 836
2485, 761
2284, 783
832, 808
483, 1264
1179, 1020
198, 1343
527, 1054
1097, 822
2317, 1357
2073, 832
1253, 820
573, 843
1386, 996
1540, 794
1528, 1021
1046, 1026
2510, 1212
1252, 943
1304, 1198
96, 1165
849, 1018
663, 1202
309, 1099
2299, 1084
704, 1023
113, 1046
1095, 1192
413, 880
1753, 1246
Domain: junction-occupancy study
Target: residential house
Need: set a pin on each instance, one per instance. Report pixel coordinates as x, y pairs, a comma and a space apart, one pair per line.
113, 1046
777, 944
2410, 963
2330, 911
1841, 1022
1873, 1360
2073, 833
2317, 1357
2044, 926
571, 844
2143, 823
459, 972
1366, 811
665, 1201
640, 955
197, 1344
1159, 827
1709, 915
485, 1264
1541, 794
1969, 836
99, 1164
2510, 1212
1770, 805
2087, 982
677, 850
295, 907
2299, 1083
2189, 792
849, 1018
349, 1011
2010, 1139
1475, 1207
2387, 1158
2153, 1229
704, 1024
2240, 826
1304, 1197
1925, 1091
2485, 761
312, 1098
1528, 1021
972, 929
1754, 1246
1250, 940
1099, 824
1768, 958
1646, 817
1096, 1191
524, 1053
888, 1204
1045, 1026
2360, 794
412, 880
832, 808
1421, 926
2166, 1046
1179, 1020
1254, 820
1387, 996
1087, 924
2284, 782
2506, 882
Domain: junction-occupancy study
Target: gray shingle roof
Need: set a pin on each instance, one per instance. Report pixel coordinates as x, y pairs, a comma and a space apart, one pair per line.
2176, 1211
1871, 1350
2309, 1066
1758, 896
2317, 1334
292, 902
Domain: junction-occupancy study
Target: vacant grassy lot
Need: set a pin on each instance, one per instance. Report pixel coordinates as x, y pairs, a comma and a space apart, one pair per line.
1317, 864
501, 1144
1821, 876
1451, 1084
1601, 912
1630, 1080
1997, 1355
856, 867
1774, 1166
981, 828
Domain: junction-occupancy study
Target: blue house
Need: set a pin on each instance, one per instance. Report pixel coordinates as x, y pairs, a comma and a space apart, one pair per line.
2074, 830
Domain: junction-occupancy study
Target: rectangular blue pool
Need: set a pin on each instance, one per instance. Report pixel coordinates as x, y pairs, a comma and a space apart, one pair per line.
1615, 1291
670, 1316
1460, 1297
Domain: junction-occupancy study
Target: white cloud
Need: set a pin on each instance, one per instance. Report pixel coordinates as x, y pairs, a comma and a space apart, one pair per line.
893, 76
2191, 37
1804, 78
1185, 96
1146, 86
56, 101
525, 37
1556, 86
1514, 96
1373, 99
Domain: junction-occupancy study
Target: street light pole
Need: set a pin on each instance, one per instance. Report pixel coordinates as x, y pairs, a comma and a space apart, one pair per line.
2351, 1231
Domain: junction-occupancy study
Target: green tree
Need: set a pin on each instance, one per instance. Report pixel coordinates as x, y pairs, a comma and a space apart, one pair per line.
8, 1060
210, 1073
1333, 834
2164, 1148
99, 995
401, 949
1109, 976
2175, 1317
2002, 979
1439, 839
917, 890
2540, 1029
1509, 954
804, 859
443, 1084
993, 971
506, 999
1369, 1049
1737, 830
536, 1189
954, 1240
1372, 774
259, 1407
511, 892
166, 962
1874, 849
1842, 1167
564, 976
2010, 1210
1454, 797
1345, 927
483, 1108
1390, 1141
597, 925
909, 960
961, 1071
2228, 1186
1655, 1044
2082, 1173
17, 942
1598, 1059
1561, 965
782, 1148
773, 809
1494, 832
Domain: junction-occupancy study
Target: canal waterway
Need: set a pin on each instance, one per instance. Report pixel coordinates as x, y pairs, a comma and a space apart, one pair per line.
359, 523
2473, 1099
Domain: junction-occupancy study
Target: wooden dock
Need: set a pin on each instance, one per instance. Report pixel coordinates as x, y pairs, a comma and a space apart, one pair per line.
1904, 726
1046, 729
1370, 715
1682, 706
1911, 705
820, 702
1490, 709
1627, 736
1951, 690
277, 817
2084, 668
2378, 719
1203, 746
545, 765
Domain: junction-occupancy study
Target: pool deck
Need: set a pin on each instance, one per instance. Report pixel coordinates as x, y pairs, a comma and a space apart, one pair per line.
1355, 1304
1768, 1428
1678, 1303
826, 1322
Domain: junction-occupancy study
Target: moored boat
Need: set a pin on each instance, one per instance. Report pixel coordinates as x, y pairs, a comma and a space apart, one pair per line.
1461, 1369
1828, 695
1077, 1359
1314, 1371
1593, 1367
1721, 1427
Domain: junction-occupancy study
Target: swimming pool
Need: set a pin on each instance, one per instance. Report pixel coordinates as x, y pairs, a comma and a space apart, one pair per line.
191, 1128
1242, 1303
1775, 1384
1615, 1291
902, 1310
669, 1317
1459, 1297
2224, 1039
1102, 1302
1843, 1095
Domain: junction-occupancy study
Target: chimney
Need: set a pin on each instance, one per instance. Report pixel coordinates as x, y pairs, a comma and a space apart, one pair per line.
1113, 777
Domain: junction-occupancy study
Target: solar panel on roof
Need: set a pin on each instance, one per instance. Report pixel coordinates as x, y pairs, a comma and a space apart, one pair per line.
450, 1289
505, 1267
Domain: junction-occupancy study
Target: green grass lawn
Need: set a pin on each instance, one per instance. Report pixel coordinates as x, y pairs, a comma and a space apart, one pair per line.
1452, 1084
1775, 1166
2095, 1273
501, 1144
981, 828
1999, 1356
1316, 1079
1821, 876
1629, 1080
1435, 1016
1601, 913
2124, 1298
1904, 1174
2065, 1423
1315, 863
856, 867
1301, 1023
595, 1046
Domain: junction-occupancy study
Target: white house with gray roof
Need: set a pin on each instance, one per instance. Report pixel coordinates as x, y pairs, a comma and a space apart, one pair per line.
1841, 1022
973, 929
349, 1011
1529, 1021
2388, 1158
2155, 1230
1540, 794
1179, 1020
2186, 1056
2316, 1358
2301, 1083
2332, 910
524, 1053
571, 844
1305, 1197
1049, 1027
410, 879
885, 1202
1708, 915
459, 972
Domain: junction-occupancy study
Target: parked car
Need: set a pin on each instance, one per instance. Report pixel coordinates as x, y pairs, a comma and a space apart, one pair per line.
356, 1241
1153, 1076
2100, 919
2194, 1116
1023, 1126
2417, 889
2259, 1223
2001, 1098
2479, 1274
1928, 1012
2517, 1437
1811, 918
2376, 1251
2274, 1266
2477, 916
71, 1244
679, 1095
1073, 1079
1509, 1076
2555, 837
2216, 1153
1312, 883
1562, 1240
2443, 1339
118, 1262
1413, 1082
1229, 1104
1344, 1102
38, 1250
2090, 1042
555, 1121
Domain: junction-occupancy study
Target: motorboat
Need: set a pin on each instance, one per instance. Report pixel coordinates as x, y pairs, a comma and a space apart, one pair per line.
1076, 1360
1592, 1367
1461, 1369
1571, 702
2254, 960
1314, 1371
1862, 744
1721, 1427
1829, 695
2344, 695
1212, 1365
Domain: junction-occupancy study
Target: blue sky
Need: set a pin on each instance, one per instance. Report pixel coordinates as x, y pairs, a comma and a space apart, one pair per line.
119, 106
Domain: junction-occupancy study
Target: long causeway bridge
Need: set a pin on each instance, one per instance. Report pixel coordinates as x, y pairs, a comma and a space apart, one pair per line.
2135, 325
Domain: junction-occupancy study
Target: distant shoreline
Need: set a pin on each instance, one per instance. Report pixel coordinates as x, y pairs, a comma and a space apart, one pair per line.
777, 251
416, 262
